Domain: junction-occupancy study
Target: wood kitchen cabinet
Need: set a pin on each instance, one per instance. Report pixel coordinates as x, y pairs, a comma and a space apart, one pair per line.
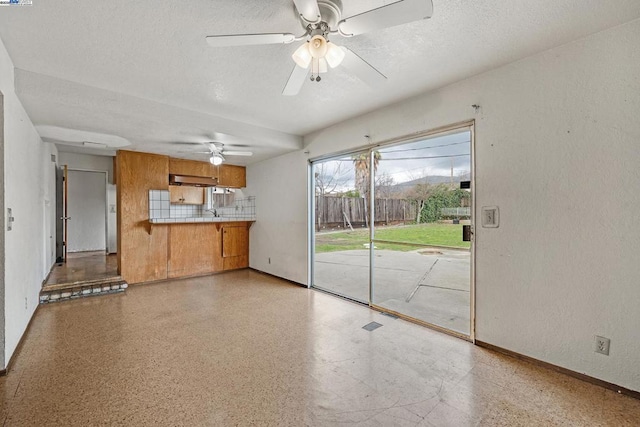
232, 176
203, 248
186, 195
194, 249
235, 246
149, 251
191, 168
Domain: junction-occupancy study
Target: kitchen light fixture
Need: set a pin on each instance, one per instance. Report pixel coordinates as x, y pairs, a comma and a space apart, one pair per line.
216, 159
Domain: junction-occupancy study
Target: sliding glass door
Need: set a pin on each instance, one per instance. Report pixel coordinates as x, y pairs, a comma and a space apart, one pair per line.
388, 228
341, 233
422, 266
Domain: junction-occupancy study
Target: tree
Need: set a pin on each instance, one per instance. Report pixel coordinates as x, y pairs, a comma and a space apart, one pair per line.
330, 177
384, 186
361, 164
442, 196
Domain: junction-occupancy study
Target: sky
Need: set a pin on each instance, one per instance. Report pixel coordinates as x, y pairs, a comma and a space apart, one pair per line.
404, 162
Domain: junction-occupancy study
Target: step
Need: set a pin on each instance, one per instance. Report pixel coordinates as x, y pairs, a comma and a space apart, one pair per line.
66, 291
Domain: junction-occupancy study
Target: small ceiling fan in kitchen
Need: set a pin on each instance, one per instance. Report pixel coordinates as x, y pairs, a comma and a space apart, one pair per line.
322, 19
217, 152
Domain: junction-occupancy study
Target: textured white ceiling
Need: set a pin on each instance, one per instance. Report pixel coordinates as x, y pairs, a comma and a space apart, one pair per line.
142, 70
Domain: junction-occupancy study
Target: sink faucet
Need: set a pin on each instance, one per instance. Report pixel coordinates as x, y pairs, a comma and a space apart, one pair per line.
215, 213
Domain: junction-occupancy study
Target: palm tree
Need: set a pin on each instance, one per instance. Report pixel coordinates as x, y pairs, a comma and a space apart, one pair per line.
361, 164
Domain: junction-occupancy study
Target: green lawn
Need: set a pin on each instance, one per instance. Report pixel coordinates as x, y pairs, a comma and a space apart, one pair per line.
422, 234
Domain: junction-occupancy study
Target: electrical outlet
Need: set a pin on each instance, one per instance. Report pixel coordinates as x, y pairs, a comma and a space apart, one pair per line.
269, 260
602, 345
26, 305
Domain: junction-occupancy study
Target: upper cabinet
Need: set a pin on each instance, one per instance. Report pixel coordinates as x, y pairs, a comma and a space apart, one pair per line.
232, 176
228, 175
191, 168
186, 195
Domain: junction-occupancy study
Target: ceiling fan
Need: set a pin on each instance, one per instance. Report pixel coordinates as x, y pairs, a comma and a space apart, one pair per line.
321, 19
217, 152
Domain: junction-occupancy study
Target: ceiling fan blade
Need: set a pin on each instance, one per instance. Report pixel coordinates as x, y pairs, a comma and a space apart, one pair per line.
228, 140
362, 69
296, 80
400, 12
237, 153
185, 143
249, 39
309, 10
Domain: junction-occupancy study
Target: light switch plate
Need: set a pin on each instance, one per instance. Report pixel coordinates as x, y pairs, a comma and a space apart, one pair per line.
10, 219
490, 217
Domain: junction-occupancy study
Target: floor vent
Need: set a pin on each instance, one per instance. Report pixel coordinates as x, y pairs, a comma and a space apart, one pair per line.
371, 326
393, 316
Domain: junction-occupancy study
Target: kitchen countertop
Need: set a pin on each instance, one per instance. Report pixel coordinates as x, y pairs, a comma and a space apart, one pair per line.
197, 220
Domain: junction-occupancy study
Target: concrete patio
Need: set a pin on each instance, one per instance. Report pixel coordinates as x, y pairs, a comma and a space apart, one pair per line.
429, 284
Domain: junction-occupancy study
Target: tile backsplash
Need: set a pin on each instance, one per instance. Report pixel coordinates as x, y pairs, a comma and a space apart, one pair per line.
181, 211
159, 205
243, 208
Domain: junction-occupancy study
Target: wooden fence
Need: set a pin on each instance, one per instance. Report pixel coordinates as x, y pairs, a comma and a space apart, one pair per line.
345, 211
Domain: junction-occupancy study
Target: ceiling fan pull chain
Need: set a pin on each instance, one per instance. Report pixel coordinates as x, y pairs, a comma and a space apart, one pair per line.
315, 70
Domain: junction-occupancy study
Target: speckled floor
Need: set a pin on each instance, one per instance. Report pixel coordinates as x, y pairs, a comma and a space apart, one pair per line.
242, 348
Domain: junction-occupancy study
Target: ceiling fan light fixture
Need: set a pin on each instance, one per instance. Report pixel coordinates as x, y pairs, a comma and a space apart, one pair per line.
216, 159
302, 56
322, 65
334, 55
318, 46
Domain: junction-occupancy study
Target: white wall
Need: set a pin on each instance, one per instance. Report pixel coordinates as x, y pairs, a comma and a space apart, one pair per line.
557, 150
28, 184
49, 206
281, 230
89, 162
87, 207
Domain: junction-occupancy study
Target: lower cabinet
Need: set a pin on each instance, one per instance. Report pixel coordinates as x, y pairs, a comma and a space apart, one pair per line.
235, 246
203, 248
193, 249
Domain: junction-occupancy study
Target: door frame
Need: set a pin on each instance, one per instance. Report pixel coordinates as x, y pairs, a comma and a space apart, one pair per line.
438, 131
311, 222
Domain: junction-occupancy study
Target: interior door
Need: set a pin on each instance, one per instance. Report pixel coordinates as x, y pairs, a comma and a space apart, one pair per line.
86, 208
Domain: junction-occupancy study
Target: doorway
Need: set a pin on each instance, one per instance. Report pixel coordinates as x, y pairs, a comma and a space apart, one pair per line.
83, 242
87, 211
388, 225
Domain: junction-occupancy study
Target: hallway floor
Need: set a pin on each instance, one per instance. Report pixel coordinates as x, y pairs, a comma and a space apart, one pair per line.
243, 348
84, 266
